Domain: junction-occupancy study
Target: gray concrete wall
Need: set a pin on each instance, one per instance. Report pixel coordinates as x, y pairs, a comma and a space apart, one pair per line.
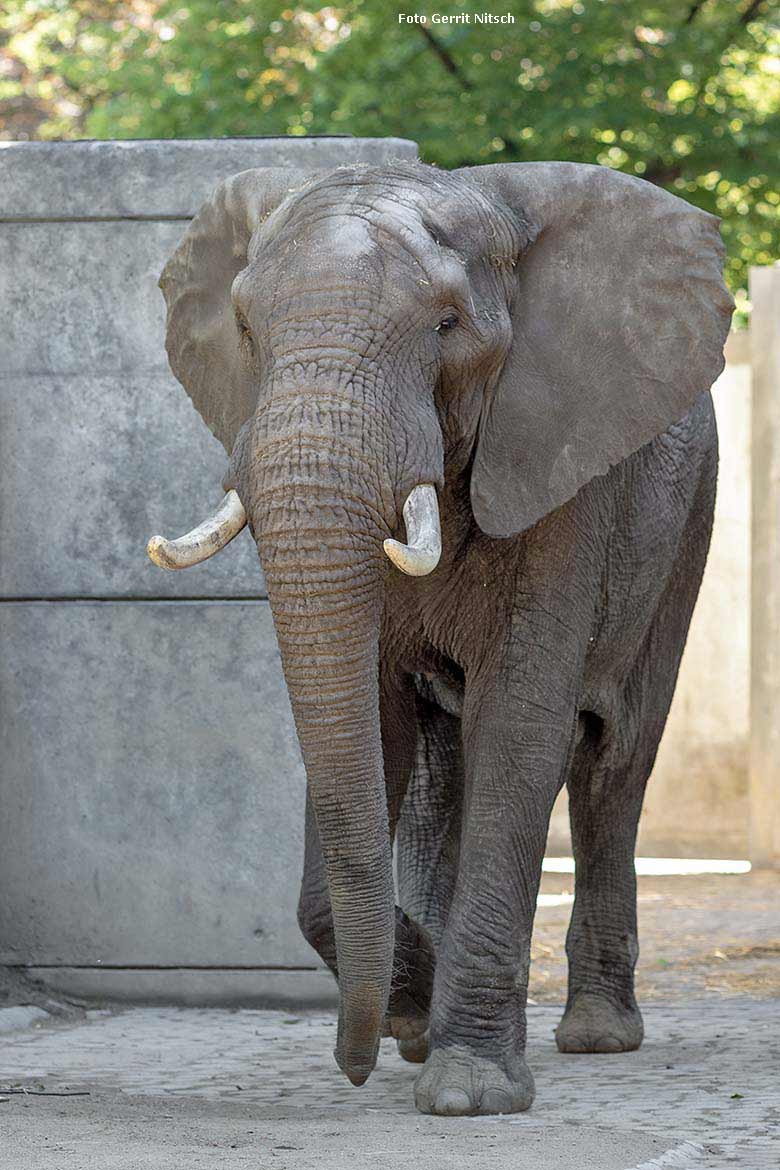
151, 792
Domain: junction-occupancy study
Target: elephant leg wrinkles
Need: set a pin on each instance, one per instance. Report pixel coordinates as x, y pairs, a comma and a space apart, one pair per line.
517, 746
428, 837
607, 783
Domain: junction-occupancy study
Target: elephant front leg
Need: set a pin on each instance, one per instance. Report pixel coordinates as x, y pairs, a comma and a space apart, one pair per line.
515, 759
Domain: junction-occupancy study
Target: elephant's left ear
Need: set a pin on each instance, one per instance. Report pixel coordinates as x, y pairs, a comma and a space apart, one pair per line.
619, 319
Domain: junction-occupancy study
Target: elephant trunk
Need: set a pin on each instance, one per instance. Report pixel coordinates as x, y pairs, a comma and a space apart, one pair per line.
318, 478
325, 568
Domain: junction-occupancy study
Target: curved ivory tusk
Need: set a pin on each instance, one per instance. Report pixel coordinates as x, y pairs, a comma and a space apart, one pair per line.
421, 515
205, 540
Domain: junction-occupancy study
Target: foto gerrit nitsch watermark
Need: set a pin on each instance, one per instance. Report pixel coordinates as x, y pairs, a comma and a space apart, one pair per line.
459, 18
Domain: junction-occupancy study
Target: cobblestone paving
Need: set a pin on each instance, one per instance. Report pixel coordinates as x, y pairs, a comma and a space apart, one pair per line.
705, 1086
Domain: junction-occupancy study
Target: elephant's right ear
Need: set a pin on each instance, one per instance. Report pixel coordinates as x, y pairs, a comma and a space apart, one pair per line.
202, 336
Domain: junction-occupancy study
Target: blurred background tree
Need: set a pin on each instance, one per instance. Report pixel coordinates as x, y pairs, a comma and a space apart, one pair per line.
685, 94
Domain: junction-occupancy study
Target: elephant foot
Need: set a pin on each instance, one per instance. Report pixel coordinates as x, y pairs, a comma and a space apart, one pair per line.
593, 1023
414, 1048
455, 1082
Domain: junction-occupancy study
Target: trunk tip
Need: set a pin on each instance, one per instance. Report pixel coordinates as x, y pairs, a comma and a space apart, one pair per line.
359, 1068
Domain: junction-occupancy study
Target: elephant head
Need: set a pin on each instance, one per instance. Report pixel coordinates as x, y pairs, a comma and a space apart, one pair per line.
355, 339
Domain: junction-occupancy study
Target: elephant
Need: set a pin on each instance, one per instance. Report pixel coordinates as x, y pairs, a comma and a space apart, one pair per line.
469, 426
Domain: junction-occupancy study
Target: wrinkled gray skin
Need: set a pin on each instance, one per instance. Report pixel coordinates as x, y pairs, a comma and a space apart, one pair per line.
389, 339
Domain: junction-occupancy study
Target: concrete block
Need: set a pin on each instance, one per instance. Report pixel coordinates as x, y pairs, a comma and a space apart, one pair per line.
151, 791
151, 179
248, 987
91, 465
83, 297
152, 788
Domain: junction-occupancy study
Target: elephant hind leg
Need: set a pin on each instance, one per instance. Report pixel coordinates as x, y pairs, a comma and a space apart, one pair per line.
428, 837
414, 963
606, 787
607, 780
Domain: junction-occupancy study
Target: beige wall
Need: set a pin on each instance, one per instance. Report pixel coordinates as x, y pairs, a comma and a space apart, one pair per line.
764, 817
697, 798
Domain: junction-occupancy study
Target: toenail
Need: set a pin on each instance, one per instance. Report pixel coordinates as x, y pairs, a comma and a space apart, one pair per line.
452, 1103
495, 1101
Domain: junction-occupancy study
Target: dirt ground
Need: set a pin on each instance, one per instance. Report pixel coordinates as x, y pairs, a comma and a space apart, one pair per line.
698, 936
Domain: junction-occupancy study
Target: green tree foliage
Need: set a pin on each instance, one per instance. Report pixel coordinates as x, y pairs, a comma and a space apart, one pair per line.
686, 94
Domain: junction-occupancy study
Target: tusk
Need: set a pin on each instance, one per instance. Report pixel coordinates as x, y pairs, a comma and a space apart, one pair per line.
205, 540
421, 516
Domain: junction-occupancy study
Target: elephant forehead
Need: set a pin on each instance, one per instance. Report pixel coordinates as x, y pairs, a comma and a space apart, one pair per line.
381, 250
344, 233
351, 225
351, 209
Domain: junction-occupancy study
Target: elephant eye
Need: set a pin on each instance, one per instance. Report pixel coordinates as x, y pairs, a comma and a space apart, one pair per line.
245, 339
447, 324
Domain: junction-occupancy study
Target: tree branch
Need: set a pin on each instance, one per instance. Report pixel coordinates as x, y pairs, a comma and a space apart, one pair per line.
751, 11
445, 58
744, 17
661, 173
694, 10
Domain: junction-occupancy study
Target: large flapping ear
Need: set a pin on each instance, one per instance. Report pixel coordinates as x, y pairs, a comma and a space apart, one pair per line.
202, 336
619, 319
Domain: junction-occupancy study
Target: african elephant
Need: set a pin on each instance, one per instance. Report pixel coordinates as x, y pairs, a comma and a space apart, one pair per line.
508, 366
